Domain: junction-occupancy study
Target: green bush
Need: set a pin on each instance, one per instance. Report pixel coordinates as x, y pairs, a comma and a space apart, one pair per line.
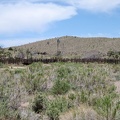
71, 96
10, 48
53, 113
19, 71
5, 112
61, 87
33, 78
108, 107
63, 72
3, 108
1, 64
39, 103
55, 107
83, 97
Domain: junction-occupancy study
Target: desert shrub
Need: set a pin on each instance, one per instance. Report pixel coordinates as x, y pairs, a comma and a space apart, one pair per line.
34, 67
52, 107
3, 108
1, 65
111, 89
9, 95
19, 71
6, 113
113, 54
10, 48
72, 96
83, 97
33, 78
61, 87
56, 106
88, 84
108, 107
39, 103
53, 113
63, 72
83, 113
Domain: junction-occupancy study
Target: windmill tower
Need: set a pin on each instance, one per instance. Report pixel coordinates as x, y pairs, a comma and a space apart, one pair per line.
58, 45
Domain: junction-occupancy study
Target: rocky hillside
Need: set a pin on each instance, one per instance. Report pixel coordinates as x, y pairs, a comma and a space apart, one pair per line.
72, 46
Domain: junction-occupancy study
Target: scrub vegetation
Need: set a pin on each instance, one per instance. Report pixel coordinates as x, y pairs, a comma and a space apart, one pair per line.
60, 91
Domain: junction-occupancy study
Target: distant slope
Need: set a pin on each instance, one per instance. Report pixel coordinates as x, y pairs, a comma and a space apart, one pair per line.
73, 46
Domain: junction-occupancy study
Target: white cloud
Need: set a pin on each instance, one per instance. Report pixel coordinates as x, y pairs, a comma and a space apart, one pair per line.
91, 5
31, 17
95, 5
37, 15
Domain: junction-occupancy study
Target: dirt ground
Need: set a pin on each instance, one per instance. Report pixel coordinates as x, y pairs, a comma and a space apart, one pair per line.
117, 84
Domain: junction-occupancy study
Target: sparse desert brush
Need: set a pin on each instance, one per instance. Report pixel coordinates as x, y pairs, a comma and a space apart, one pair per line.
56, 107
51, 107
60, 87
5, 112
108, 107
63, 72
8, 96
39, 103
1, 65
19, 71
33, 78
81, 112
81, 91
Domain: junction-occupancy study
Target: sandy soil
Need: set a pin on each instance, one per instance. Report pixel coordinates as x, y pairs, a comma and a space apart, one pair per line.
16, 67
117, 84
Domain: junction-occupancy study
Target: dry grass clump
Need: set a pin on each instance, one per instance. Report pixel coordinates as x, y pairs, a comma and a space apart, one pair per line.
81, 112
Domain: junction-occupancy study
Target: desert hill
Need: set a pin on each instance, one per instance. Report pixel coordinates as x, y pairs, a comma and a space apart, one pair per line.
71, 46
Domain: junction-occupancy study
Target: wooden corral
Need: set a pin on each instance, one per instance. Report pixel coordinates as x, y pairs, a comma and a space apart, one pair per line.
52, 60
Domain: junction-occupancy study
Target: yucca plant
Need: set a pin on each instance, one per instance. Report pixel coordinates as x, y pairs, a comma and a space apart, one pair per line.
107, 107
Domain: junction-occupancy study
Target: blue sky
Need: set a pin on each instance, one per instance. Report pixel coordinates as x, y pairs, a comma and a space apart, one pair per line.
26, 21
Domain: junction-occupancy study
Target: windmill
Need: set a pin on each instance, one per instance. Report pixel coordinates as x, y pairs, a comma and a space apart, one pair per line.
58, 51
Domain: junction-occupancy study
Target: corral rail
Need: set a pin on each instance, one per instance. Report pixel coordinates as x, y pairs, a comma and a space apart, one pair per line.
52, 60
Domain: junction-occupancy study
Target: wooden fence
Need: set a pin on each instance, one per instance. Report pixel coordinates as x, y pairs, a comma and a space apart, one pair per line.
52, 60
